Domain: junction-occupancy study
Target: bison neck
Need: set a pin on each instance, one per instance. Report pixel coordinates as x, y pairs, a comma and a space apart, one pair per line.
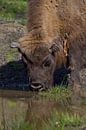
42, 18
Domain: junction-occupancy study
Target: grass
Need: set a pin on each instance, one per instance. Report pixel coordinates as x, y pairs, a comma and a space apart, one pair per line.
11, 10
57, 93
56, 122
10, 56
61, 121
21, 126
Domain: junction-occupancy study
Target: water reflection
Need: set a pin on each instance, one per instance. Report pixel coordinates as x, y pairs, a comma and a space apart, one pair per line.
29, 107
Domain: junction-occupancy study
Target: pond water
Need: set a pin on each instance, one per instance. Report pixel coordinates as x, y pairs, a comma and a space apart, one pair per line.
19, 106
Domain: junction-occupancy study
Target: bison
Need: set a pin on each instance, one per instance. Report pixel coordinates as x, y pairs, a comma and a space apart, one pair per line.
56, 37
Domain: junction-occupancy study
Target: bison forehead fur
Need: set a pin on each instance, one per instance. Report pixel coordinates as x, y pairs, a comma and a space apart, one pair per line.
55, 30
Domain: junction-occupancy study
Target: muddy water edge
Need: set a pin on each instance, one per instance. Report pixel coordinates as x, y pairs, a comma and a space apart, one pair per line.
34, 109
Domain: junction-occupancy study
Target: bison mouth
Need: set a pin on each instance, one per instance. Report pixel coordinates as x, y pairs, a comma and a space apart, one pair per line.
36, 87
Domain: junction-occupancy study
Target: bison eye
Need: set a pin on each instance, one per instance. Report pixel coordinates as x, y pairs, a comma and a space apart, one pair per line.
47, 63
30, 61
25, 57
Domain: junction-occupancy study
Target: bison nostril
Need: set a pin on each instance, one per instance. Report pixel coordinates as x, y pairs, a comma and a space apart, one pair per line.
36, 85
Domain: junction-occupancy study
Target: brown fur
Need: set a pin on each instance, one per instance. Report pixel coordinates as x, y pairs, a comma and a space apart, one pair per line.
54, 19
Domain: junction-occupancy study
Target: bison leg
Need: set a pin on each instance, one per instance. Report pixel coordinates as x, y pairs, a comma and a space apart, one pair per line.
74, 76
74, 80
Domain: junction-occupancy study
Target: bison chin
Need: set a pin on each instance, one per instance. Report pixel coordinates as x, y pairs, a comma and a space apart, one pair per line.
40, 86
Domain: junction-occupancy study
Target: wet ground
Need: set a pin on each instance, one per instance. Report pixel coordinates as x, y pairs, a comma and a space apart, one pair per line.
16, 107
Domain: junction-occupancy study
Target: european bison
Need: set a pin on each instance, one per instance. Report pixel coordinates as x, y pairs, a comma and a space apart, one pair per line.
56, 37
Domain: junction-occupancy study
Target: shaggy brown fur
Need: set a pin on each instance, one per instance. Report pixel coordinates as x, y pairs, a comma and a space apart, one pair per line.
61, 23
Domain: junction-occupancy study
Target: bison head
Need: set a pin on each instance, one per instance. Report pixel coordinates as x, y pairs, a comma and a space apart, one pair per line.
40, 59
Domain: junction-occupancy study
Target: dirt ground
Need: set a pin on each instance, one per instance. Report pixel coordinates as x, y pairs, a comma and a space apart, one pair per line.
12, 71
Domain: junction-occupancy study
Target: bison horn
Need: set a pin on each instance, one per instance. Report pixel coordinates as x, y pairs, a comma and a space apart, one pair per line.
15, 45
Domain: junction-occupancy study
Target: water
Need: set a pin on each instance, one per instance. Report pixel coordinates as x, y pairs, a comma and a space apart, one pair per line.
16, 107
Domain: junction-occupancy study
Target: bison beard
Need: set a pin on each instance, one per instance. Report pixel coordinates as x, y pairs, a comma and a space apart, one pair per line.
56, 38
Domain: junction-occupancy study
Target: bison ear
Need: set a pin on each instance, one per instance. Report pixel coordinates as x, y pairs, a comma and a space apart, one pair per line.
66, 47
57, 46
